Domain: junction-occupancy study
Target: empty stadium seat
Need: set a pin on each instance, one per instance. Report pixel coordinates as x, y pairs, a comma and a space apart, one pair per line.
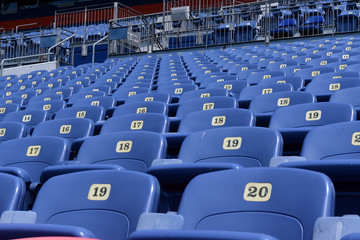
108, 204
294, 122
68, 128
141, 107
11, 130
13, 196
247, 200
30, 117
95, 113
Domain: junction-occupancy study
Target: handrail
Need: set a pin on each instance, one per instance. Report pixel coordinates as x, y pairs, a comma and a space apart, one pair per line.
94, 45
59, 43
25, 25
23, 57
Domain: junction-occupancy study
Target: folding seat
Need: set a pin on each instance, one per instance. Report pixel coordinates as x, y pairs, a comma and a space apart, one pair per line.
27, 157
349, 96
243, 75
296, 82
81, 95
105, 197
141, 107
51, 106
30, 117
322, 61
308, 74
64, 91
68, 128
342, 66
294, 122
203, 104
11, 130
249, 93
13, 99
63, 79
241, 67
152, 96
14, 189
122, 93
257, 77
104, 101
79, 81
246, 200
153, 122
312, 26
290, 71
233, 86
8, 92
211, 80
7, 77
203, 93
51, 84
264, 105
45, 97
95, 113
303, 60
324, 88
347, 56
176, 91
276, 66
97, 88
215, 118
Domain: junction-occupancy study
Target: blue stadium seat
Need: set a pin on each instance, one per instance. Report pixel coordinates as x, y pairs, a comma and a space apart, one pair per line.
123, 93
108, 204
308, 74
245, 31
13, 196
294, 122
133, 150
296, 82
95, 113
203, 93
68, 128
45, 97
203, 104
233, 86
153, 122
30, 117
64, 91
141, 107
348, 21
333, 149
257, 77
323, 89
13, 99
149, 97
80, 95
215, 118
51, 106
11, 130
104, 101
247, 200
33, 154
6, 108
264, 105
348, 95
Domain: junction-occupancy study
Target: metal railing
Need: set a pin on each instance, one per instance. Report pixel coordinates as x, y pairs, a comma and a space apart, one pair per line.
212, 22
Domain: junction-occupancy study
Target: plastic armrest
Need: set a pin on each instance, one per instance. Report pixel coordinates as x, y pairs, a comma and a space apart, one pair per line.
157, 221
18, 172
336, 227
276, 161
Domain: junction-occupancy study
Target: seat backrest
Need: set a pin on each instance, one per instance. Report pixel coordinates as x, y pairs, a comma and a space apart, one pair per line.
272, 201
95, 113
348, 95
149, 97
203, 93
333, 141
141, 107
251, 92
13, 192
51, 106
122, 93
103, 101
312, 114
208, 103
69, 128
134, 150
108, 203
232, 144
270, 102
34, 154
233, 86
153, 122
11, 130
81, 95
30, 117
329, 86
215, 118
6, 108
